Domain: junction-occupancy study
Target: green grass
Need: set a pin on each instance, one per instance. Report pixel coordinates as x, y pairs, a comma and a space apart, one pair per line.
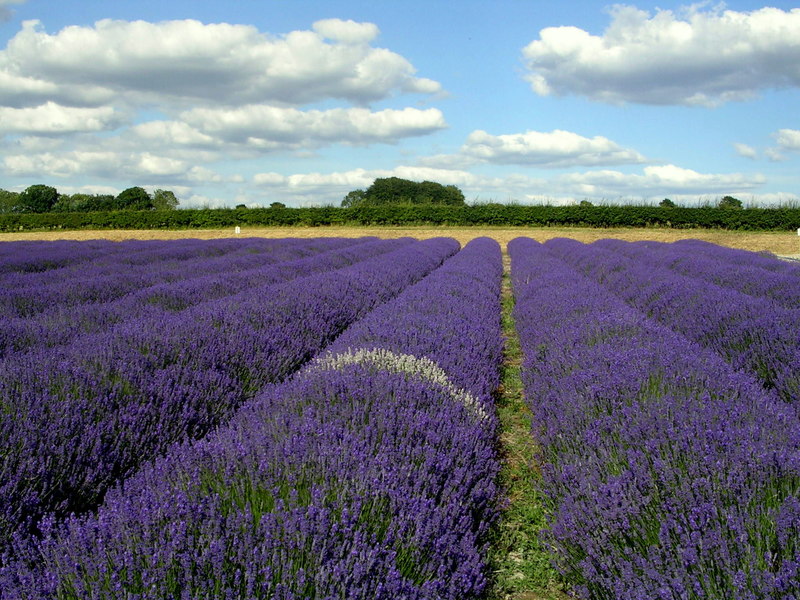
519, 562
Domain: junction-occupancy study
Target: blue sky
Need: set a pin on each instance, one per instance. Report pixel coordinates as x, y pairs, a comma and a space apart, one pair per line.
302, 101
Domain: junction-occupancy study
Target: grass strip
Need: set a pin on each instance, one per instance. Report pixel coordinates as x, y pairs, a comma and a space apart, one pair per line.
519, 562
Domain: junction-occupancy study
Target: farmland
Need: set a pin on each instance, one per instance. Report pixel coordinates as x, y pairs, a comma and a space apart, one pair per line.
299, 416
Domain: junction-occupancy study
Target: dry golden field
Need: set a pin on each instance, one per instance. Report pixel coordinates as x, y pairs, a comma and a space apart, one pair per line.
780, 243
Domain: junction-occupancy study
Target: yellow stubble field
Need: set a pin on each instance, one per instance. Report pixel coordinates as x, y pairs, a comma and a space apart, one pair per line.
780, 243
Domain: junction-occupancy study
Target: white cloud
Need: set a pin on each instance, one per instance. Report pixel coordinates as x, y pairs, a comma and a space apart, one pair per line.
272, 128
188, 60
103, 163
774, 155
693, 57
657, 180
788, 139
52, 118
348, 32
172, 133
554, 149
745, 150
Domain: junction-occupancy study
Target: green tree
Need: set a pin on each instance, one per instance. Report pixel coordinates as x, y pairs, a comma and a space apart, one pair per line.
354, 198
585, 203
667, 203
37, 199
730, 203
395, 190
277, 205
164, 200
8, 201
133, 198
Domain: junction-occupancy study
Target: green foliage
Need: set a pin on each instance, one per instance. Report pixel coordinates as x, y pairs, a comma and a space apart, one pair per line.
519, 561
134, 198
37, 199
585, 203
667, 203
394, 190
277, 205
680, 217
164, 200
8, 201
354, 198
730, 203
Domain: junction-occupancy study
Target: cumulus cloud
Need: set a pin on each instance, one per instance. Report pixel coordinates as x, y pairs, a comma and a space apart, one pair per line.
172, 133
188, 60
272, 127
52, 118
104, 163
689, 57
554, 149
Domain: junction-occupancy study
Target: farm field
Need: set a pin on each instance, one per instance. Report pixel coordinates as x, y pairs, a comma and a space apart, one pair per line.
328, 416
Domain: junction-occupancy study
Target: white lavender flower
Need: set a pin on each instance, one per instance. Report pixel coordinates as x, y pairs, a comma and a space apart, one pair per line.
421, 368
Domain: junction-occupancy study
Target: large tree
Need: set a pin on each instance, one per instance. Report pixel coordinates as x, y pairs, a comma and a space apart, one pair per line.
37, 199
164, 200
134, 198
394, 190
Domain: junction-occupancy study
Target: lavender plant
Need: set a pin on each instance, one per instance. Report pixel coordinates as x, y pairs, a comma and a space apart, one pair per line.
111, 277
78, 418
370, 474
710, 264
669, 474
199, 283
752, 333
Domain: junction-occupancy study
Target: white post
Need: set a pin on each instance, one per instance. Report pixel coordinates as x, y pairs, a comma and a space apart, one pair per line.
238, 230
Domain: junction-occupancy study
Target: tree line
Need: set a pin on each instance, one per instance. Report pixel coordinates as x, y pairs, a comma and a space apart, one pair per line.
44, 199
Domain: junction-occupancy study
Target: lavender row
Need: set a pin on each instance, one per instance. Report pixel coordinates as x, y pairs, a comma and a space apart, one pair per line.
668, 473
62, 323
752, 333
783, 288
35, 257
78, 418
736, 256
97, 283
20, 261
369, 475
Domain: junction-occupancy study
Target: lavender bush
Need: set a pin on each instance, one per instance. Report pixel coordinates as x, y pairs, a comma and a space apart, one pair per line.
752, 333
77, 418
370, 474
669, 474
710, 264
110, 277
213, 279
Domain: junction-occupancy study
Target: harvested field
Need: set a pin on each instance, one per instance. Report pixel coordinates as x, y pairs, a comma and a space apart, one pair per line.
780, 242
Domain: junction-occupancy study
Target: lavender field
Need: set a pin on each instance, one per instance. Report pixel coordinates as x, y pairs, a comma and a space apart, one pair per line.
316, 418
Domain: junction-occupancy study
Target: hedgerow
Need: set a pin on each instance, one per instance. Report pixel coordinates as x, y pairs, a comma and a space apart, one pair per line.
748, 219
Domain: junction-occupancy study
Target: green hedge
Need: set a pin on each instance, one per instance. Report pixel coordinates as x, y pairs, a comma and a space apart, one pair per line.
751, 219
